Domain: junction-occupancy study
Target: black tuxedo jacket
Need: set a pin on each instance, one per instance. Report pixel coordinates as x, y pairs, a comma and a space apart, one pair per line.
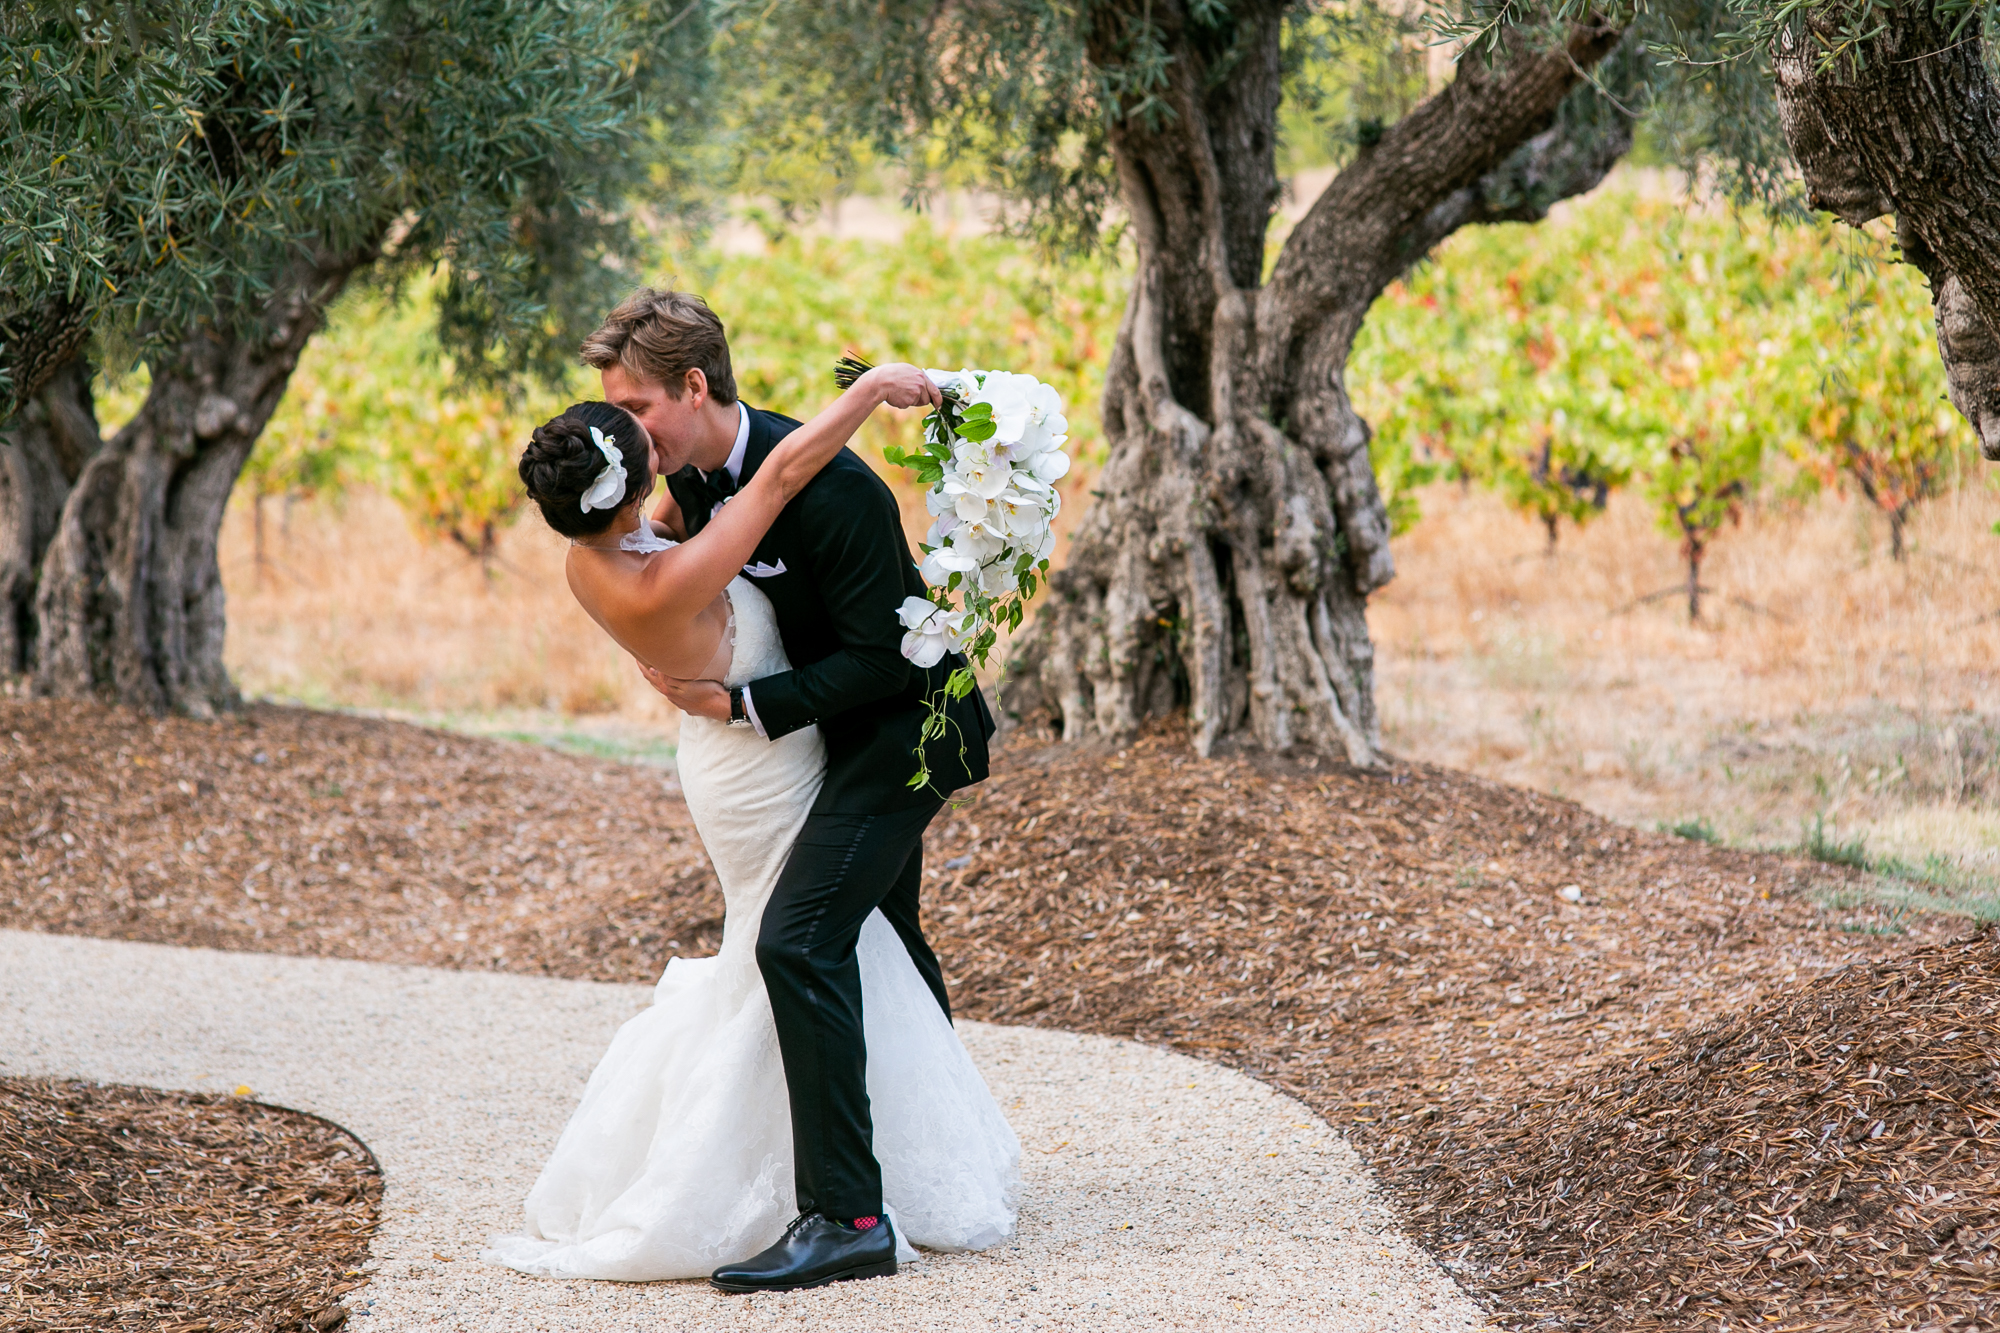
846, 569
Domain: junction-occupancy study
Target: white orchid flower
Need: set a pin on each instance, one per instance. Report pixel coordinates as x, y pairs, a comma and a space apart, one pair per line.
1045, 405
928, 637
997, 579
957, 384
1042, 425
968, 459
1012, 403
1025, 482
916, 612
1022, 515
970, 507
941, 531
942, 563
607, 490
992, 508
980, 541
1050, 466
986, 479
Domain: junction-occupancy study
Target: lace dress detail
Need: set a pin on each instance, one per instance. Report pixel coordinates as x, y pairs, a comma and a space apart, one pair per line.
679, 1157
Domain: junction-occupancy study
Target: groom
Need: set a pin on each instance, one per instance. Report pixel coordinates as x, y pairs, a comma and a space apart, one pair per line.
836, 567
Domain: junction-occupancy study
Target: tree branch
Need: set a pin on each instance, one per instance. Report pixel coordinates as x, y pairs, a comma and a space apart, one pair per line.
1910, 125
1497, 144
34, 343
1372, 212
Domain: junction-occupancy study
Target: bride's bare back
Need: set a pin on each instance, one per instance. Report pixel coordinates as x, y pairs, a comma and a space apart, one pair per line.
607, 585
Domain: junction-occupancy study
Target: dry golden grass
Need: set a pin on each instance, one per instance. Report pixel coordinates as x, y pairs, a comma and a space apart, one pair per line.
1825, 681
353, 609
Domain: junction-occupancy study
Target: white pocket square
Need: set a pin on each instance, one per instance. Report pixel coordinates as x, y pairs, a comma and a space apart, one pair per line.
760, 570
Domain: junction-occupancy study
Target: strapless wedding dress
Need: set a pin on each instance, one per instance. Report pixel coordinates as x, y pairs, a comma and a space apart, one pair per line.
680, 1156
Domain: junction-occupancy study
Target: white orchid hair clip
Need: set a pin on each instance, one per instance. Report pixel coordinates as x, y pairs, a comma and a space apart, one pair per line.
608, 491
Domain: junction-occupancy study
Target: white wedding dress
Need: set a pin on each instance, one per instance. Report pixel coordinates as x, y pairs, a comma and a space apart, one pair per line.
679, 1157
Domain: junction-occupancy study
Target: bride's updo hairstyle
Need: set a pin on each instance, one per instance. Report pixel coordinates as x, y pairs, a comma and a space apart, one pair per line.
562, 462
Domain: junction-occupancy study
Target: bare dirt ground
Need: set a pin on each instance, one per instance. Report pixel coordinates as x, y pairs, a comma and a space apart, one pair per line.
1469, 979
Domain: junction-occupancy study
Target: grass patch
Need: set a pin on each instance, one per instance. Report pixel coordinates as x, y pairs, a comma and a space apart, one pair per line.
1973, 896
1937, 885
1822, 845
621, 744
620, 749
1698, 829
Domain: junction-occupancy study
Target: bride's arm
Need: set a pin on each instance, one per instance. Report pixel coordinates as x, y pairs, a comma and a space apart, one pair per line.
688, 577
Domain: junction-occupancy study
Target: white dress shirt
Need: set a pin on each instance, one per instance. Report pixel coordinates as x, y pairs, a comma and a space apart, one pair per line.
734, 467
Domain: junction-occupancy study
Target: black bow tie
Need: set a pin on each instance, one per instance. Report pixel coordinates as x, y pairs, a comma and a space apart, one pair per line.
714, 487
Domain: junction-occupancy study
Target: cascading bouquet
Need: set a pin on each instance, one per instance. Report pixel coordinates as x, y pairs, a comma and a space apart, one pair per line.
991, 457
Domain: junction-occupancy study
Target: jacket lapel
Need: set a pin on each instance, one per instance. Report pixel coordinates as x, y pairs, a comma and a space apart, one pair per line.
763, 438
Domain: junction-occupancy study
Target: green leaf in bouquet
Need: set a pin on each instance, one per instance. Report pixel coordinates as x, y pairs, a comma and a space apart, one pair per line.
960, 684
976, 431
929, 472
979, 412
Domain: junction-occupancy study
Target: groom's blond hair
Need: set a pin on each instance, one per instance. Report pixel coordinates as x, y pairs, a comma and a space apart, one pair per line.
659, 336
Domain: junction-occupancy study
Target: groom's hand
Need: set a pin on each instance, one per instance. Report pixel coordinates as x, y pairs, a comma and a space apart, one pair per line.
904, 385
702, 698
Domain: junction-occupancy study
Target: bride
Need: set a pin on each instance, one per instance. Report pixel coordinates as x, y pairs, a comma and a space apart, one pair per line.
679, 1158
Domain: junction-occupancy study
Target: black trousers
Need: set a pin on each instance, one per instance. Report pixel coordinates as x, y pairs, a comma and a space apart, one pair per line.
842, 868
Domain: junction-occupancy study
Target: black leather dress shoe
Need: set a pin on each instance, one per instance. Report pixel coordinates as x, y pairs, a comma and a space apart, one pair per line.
813, 1252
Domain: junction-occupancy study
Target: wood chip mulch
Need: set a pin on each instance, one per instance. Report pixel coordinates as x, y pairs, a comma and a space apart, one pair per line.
1466, 978
1825, 1160
131, 1208
288, 831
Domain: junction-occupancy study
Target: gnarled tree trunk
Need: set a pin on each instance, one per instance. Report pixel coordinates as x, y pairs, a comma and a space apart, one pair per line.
1237, 529
42, 452
127, 598
1908, 122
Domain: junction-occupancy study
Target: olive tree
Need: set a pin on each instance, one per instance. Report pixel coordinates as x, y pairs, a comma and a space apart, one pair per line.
189, 183
1892, 110
1237, 530
1863, 109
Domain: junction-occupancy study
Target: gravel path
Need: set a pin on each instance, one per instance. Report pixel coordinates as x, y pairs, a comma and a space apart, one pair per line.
1161, 1192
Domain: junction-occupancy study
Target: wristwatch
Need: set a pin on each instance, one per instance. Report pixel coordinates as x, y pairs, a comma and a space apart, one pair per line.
737, 713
